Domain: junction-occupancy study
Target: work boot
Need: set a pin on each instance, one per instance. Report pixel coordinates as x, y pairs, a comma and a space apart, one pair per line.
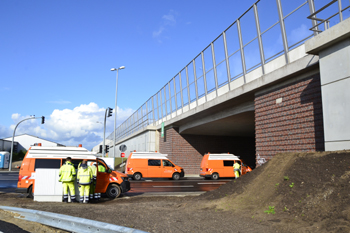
65, 200
75, 201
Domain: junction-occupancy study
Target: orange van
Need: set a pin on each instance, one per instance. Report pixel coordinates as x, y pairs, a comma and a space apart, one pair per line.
111, 183
215, 166
152, 165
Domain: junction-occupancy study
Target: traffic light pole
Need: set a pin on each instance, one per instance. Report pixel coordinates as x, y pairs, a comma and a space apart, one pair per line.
104, 135
13, 136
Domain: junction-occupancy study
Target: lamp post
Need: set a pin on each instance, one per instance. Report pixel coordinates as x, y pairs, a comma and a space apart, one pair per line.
115, 113
14, 131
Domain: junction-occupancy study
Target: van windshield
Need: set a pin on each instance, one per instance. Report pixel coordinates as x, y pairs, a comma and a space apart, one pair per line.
167, 163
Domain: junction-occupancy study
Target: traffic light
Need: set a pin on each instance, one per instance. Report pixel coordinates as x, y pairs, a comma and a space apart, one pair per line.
110, 112
100, 149
42, 120
107, 148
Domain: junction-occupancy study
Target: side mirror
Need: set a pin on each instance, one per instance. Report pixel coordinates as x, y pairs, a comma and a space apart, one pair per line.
109, 170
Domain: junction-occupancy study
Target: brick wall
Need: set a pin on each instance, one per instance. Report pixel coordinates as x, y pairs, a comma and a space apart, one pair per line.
187, 150
295, 124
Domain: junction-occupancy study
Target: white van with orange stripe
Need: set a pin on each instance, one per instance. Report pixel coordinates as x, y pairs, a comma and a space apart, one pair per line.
112, 183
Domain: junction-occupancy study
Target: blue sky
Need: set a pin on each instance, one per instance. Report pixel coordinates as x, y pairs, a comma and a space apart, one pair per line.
56, 56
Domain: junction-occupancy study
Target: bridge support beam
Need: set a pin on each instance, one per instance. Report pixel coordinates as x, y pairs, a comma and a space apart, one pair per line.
333, 48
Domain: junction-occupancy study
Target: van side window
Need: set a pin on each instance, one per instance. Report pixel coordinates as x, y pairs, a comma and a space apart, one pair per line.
47, 163
167, 163
154, 162
228, 163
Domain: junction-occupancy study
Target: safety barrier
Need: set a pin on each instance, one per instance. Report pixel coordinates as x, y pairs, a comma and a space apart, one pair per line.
69, 223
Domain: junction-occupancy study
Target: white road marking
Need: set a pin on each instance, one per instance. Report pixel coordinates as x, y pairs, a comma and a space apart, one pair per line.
149, 180
182, 186
213, 183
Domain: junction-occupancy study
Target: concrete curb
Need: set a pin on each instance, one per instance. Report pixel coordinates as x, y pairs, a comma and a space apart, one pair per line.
66, 222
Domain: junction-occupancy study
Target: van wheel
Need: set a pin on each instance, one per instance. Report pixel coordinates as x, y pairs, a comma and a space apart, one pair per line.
30, 192
113, 191
137, 176
215, 176
176, 176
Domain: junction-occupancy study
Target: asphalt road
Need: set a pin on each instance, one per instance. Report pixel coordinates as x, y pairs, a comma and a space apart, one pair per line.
6, 227
8, 179
164, 186
188, 185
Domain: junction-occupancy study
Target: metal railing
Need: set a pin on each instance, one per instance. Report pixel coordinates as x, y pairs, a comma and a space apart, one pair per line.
267, 31
326, 22
66, 222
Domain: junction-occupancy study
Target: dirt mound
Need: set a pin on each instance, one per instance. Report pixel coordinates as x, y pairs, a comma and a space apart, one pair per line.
300, 192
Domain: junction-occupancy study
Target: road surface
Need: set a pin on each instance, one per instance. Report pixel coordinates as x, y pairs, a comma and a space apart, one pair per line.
188, 185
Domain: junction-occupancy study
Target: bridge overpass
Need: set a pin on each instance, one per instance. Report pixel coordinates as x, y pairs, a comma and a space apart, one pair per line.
267, 84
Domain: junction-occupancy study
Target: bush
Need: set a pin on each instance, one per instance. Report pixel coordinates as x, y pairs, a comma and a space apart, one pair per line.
19, 156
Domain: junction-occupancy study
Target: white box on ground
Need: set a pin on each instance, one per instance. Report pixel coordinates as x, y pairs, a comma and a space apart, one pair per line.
48, 188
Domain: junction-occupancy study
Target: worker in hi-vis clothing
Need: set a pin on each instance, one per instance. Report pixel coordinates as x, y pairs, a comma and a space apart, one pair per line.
84, 179
93, 195
67, 177
236, 168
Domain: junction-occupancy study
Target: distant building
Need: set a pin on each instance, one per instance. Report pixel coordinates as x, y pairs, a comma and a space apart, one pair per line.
6, 145
24, 141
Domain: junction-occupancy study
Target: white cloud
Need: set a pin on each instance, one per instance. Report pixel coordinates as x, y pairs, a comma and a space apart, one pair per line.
298, 34
168, 20
59, 102
5, 132
71, 127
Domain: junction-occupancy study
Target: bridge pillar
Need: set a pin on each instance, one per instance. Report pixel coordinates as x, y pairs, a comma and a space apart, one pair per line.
333, 48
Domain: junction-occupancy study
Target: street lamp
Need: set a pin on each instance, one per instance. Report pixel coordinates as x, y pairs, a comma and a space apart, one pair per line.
115, 113
14, 132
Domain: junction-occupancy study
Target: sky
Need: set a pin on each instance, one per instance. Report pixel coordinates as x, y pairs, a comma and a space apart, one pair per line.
56, 56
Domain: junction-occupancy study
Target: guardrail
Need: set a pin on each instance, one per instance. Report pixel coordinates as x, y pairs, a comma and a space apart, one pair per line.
69, 223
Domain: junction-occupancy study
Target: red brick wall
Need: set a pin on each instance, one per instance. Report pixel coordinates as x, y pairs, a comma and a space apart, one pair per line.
187, 150
296, 124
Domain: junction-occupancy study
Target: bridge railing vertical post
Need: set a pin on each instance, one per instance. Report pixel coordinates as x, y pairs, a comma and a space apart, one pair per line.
227, 61
261, 48
214, 68
340, 11
204, 77
283, 30
241, 49
188, 88
195, 80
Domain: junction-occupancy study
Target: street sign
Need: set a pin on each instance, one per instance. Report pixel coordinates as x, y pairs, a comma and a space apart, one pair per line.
122, 148
122, 155
162, 131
